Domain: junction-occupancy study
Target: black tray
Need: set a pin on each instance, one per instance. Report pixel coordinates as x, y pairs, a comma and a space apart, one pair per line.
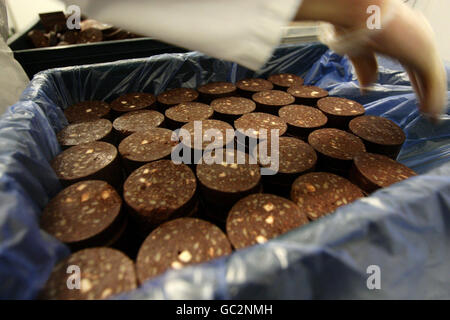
34, 60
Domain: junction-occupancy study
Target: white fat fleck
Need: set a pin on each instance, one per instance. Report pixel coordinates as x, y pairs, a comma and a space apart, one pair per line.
105, 194
86, 285
185, 256
106, 293
176, 265
85, 197
269, 220
81, 187
261, 239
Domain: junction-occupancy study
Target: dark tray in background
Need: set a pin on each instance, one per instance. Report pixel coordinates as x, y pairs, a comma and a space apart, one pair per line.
34, 60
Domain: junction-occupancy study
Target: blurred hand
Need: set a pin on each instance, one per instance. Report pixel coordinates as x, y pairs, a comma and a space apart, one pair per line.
405, 35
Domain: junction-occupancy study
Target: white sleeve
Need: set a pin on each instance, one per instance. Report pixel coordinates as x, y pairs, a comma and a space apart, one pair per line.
13, 79
243, 31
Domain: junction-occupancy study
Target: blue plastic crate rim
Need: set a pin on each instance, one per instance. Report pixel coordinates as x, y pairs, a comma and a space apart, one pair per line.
404, 229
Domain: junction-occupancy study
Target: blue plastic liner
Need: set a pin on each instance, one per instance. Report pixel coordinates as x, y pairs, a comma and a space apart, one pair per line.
404, 229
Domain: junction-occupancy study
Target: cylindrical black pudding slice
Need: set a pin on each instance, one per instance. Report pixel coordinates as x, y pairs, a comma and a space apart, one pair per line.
104, 273
283, 81
294, 158
137, 121
254, 127
180, 243
132, 102
261, 217
39, 39
215, 90
302, 120
320, 193
374, 171
146, 146
87, 111
158, 192
85, 214
209, 134
85, 132
380, 135
307, 95
336, 149
90, 35
186, 112
227, 178
248, 87
271, 101
251, 124
89, 161
232, 108
176, 96
340, 111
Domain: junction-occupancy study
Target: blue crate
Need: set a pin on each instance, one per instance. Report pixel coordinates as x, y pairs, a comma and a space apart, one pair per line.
403, 229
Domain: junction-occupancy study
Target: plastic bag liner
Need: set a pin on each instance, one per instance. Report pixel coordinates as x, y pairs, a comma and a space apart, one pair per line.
404, 230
